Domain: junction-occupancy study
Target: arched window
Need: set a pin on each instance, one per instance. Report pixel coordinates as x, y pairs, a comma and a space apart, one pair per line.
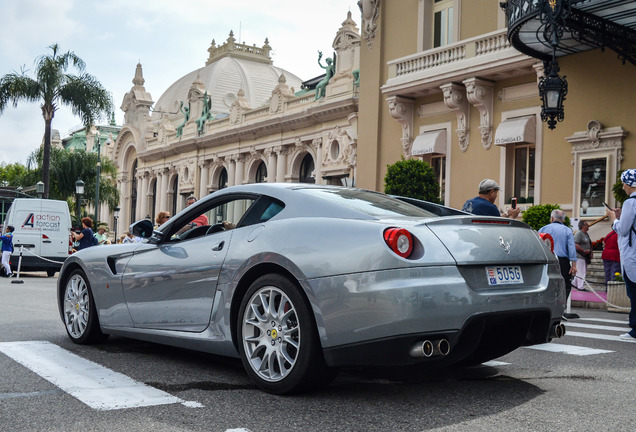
307, 170
175, 194
153, 204
261, 173
133, 193
223, 179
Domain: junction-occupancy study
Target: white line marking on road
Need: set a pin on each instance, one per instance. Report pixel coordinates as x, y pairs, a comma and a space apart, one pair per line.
624, 322
598, 336
568, 349
597, 327
494, 363
96, 386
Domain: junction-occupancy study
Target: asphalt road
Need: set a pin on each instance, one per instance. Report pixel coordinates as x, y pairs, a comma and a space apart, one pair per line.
582, 382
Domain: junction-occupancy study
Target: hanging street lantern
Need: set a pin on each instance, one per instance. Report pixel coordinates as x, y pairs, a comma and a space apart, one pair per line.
552, 88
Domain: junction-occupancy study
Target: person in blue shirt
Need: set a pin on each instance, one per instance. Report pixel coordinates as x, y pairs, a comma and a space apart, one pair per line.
484, 203
623, 221
564, 247
85, 237
7, 250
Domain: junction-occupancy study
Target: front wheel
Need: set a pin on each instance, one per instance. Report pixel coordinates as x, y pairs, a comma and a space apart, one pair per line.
80, 313
278, 341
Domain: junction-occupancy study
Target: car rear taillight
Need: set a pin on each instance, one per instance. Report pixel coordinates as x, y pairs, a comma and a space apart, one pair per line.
399, 240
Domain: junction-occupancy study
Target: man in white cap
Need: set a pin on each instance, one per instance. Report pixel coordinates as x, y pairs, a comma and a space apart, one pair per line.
624, 223
484, 203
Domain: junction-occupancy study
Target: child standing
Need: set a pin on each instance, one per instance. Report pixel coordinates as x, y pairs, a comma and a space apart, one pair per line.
7, 249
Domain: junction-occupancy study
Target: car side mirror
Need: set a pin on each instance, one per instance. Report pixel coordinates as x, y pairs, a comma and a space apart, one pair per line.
142, 228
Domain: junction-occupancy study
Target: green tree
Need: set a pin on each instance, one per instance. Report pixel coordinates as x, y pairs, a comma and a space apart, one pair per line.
412, 178
53, 87
12, 174
538, 215
68, 166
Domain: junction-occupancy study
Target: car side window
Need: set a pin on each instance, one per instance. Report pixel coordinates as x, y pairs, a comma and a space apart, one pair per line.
215, 217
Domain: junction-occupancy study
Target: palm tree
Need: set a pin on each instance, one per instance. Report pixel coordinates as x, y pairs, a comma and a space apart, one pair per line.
52, 86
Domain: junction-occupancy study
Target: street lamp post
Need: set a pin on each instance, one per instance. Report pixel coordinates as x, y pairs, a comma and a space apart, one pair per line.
79, 191
40, 189
116, 217
99, 166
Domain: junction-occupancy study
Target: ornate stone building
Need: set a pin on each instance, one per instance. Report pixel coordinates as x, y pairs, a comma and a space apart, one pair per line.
239, 119
456, 93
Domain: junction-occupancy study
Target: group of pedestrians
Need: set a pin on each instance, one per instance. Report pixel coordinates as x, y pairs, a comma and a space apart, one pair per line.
574, 252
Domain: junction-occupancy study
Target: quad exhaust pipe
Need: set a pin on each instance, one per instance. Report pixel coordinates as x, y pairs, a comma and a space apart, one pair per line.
557, 331
427, 348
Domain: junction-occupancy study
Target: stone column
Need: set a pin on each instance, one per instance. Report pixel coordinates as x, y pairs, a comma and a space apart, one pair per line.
281, 163
231, 172
271, 165
205, 174
317, 142
239, 174
143, 197
163, 193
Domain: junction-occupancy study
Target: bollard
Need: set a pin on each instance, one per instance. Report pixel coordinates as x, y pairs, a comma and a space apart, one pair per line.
17, 280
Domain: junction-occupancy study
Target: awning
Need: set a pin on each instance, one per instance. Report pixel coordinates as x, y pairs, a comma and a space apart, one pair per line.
516, 130
429, 143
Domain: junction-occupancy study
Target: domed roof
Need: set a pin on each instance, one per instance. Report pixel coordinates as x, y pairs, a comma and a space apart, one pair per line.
229, 68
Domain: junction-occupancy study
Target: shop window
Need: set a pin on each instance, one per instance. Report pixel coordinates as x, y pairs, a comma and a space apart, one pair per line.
438, 163
524, 171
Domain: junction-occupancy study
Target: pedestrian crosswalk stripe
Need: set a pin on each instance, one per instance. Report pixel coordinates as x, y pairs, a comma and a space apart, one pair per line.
598, 336
611, 321
568, 349
597, 327
96, 386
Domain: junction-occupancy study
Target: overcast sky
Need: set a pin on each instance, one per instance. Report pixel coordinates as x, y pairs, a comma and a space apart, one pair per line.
169, 38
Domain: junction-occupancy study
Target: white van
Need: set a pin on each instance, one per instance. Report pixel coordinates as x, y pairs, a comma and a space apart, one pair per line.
42, 227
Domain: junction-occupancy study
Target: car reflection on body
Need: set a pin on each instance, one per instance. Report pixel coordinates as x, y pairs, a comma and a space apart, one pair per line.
302, 280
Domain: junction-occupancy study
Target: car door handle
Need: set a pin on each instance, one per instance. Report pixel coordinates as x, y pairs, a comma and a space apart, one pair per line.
218, 246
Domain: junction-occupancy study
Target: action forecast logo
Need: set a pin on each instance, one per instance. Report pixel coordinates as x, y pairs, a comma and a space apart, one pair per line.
41, 221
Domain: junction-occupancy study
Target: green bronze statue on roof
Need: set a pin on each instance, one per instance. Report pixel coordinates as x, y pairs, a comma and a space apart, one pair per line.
186, 113
205, 113
329, 72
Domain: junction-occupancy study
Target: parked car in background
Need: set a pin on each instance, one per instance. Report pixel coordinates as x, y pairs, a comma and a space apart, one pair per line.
301, 280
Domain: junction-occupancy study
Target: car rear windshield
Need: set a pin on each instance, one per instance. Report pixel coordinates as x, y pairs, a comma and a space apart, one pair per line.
371, 203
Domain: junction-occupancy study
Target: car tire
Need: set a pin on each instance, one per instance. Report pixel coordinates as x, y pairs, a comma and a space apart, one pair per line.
80, 314
50, 272
277, 338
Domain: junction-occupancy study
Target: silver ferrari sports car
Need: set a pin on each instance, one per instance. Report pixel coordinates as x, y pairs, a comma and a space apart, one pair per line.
301, 280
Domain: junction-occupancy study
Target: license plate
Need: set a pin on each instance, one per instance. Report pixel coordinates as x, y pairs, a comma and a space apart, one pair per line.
504, 275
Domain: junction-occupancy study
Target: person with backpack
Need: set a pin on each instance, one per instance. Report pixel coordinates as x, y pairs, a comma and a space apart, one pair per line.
624, 223
7, 249
86, 237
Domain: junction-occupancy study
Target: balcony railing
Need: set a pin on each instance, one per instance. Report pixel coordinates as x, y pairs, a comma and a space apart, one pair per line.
469, 48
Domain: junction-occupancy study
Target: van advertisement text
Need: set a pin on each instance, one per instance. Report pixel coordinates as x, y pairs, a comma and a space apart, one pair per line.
42, 221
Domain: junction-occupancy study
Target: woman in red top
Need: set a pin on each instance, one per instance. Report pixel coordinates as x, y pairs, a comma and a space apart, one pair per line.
611, 256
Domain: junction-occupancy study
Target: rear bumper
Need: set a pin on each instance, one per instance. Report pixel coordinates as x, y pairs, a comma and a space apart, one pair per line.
484, 337
374, 311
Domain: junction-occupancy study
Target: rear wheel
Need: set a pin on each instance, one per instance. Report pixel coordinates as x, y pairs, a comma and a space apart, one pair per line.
80, 314
278, 341
50, 272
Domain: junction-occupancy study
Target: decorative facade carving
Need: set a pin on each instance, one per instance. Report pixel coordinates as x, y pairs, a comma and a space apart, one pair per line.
370, 11
480, 93
455, 99
401, 109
